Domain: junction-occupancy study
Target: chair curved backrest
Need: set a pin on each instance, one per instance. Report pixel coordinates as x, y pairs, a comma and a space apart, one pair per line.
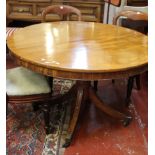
60, 10
134, 16
120, 5
130, 14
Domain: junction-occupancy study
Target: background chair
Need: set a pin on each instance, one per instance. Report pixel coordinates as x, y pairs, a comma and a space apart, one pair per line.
63, 10
116, 7
134, 16
112, 7
24, 86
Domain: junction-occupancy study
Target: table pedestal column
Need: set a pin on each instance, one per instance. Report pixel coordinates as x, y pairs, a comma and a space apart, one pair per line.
85, 93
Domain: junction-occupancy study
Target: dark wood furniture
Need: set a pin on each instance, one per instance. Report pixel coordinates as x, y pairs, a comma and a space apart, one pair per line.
18, 93
137, 2
73, 56
30, 10
132, 15
138, 21
135, 16
24, 86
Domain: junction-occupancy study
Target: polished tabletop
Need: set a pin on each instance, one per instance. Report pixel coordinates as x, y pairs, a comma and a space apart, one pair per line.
79, 47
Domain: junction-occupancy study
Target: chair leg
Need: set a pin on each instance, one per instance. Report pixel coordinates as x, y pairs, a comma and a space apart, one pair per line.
95, 85
36, 106
138, 82
129, 89
46, 110
6, 105
50, 81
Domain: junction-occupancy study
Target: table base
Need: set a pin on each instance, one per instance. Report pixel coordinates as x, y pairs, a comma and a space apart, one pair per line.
82, 92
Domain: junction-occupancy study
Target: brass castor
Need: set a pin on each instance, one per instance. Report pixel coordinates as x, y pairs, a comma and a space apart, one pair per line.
127, 101
126, 121
67, 143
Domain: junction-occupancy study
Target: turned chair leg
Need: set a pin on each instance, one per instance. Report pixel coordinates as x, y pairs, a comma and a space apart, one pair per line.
36, 106
6, 105
138, 82
113, 81
129, 89
95, 85
50, 81
46, 110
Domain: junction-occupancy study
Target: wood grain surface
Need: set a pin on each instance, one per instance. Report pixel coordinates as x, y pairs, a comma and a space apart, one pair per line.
80, 50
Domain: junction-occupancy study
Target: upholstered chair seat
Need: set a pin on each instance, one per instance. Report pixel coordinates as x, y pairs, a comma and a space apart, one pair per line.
21, 81
25, 86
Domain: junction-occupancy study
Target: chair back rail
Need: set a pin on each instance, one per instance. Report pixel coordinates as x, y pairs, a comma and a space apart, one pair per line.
130, 14
62, 10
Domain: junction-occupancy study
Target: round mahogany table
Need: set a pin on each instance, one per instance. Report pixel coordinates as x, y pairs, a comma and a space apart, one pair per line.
81, 51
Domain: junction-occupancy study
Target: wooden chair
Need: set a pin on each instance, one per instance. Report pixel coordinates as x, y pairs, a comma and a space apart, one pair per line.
131, 14
62, 10
24, 86
135, 16
112, 7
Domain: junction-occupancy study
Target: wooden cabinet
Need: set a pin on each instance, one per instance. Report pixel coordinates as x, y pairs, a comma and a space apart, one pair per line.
137, 2
30, 10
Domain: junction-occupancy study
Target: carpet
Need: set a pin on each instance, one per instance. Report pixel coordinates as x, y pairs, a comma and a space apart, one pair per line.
25, 134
